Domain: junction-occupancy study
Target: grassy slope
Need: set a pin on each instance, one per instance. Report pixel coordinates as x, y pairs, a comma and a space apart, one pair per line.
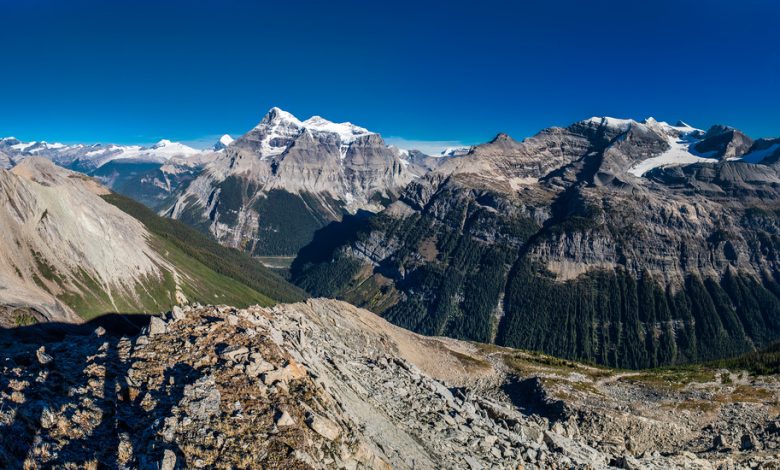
209, 273
227, 262
199, 283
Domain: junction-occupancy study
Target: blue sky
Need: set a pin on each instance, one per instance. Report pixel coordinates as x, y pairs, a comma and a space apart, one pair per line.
447, 72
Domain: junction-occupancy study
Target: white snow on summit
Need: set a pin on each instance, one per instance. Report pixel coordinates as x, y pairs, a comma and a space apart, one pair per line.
166, 148
279, 126
278, 118
347, 131
453, 151
614, 123
625, 124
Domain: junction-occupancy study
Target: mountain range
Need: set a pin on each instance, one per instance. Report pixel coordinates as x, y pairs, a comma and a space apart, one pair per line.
523, 279
632, 244
151, 174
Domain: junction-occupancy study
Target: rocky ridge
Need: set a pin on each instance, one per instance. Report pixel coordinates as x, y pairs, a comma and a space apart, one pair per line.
71, 249
326, 385
59, 236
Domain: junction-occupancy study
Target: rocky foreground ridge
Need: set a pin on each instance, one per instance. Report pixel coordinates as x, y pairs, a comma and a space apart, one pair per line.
323, 384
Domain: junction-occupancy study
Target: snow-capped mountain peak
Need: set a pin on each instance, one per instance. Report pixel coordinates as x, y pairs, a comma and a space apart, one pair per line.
610, 122
624, 125
166, 148
278, 129
277, 116
454, 151
223, 142
280, 121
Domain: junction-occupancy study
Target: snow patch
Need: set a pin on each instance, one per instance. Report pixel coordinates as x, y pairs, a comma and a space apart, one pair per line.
346, 131
678, 154
613, 123
757, 156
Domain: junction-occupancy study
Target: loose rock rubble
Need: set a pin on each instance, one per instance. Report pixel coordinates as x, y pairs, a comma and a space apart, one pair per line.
322, 384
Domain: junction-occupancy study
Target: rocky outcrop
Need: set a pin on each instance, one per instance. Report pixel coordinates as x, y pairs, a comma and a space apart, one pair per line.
322, 384
724, 142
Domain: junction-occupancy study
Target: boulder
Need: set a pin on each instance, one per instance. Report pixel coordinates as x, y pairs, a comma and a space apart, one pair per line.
323, 426
157, 326
177, 313
203, 398
42, 357
721, 442
291, 371
235, 353
168, 461
285, 419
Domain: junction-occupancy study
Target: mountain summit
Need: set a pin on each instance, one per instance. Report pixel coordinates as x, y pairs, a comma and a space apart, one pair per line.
223, 142
284, 179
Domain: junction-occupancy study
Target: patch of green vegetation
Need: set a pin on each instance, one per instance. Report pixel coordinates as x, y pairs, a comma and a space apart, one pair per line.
45, 269
674, 378
377, 293
89, 299
288, 221
325, 279
39, 282
24, 319
202, 284
765, 362
225, 262
526, 362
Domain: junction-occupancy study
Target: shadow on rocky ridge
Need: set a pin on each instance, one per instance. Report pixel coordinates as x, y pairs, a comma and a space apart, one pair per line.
83, 372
